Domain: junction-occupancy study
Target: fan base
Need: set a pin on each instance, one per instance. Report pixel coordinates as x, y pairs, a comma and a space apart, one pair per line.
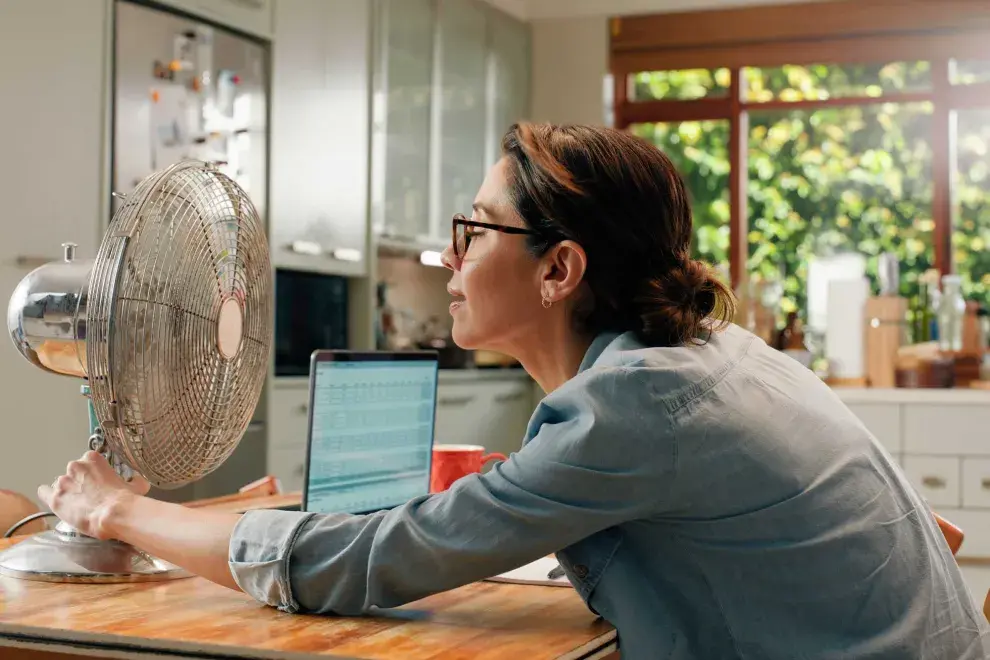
64, 555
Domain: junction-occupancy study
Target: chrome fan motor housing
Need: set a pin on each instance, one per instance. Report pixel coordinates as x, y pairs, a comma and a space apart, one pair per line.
46, 315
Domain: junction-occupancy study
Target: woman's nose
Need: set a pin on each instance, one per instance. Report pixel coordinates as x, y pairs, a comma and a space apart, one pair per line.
448, 259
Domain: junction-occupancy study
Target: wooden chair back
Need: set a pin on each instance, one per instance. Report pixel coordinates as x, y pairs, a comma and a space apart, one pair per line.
14, 507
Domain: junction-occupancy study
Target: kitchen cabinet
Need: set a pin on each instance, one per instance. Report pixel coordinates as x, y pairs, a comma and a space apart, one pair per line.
511, 56
251, 16
319, 145
490, 413
461, 97
883, 420
450, 77
939, 440
288, 425
403, 121
936, 478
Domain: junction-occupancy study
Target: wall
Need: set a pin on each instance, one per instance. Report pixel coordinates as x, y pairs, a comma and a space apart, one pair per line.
54, 187
419, 289
570, 61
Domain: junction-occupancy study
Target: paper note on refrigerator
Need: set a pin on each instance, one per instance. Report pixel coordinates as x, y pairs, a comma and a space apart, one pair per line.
170, 134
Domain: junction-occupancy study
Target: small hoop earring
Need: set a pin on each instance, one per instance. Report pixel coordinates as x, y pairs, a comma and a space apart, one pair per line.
546, 302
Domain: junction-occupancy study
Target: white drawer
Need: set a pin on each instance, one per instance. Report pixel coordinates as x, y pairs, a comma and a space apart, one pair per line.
288, 415
935, 477
946, 429
976, 482
288, 466
883, 420
976, 531
493, 414
459, 407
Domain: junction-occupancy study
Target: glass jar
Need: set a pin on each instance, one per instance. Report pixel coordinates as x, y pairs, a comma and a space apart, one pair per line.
951, 310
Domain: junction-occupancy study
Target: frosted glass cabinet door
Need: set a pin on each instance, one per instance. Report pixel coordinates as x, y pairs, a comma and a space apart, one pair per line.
463, 53
510, 48
404, 79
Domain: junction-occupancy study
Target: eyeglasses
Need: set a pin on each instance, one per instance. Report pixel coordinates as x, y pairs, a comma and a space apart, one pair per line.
461, 234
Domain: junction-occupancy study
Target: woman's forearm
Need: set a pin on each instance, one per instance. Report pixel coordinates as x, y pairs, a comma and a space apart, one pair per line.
193, 539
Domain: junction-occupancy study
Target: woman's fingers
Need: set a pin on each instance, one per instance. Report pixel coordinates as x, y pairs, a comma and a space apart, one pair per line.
139, 485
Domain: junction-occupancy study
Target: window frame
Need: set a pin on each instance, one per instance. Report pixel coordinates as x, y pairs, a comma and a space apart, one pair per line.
740, 38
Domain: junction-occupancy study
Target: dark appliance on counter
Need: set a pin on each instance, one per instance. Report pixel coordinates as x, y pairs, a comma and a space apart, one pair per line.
311, 313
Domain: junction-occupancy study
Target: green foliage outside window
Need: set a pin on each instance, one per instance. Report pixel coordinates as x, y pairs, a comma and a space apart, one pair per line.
829, 179
971, 235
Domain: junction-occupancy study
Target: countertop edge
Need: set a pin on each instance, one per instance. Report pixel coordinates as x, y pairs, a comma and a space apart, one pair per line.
960, 396
70, 641
446, 376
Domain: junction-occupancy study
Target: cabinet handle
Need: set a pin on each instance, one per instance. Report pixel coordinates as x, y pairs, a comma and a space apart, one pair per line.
933, 482
511, 396
303, 408
985, 484
314, 249
456, 400
299, 470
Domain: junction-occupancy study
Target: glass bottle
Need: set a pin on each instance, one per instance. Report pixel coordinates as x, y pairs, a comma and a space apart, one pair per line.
791, 340
920, 315
384, 319
951, 309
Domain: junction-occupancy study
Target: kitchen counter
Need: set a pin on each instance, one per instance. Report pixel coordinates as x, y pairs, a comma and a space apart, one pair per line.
959, 395
472, 375
475, 374
195, 619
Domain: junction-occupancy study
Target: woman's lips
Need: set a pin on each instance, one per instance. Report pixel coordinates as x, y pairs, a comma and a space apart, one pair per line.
457, 303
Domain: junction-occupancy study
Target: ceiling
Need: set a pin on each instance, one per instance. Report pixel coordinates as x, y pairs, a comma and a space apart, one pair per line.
543, 9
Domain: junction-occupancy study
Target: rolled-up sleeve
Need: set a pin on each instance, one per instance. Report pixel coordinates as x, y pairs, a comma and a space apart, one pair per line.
591, 463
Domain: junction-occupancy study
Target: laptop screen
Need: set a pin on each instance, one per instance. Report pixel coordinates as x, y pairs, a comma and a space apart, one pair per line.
371, 433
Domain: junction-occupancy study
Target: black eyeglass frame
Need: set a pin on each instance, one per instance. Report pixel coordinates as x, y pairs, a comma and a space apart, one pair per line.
462, 221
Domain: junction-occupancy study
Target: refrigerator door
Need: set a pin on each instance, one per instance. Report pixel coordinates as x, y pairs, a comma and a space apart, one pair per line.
184, 89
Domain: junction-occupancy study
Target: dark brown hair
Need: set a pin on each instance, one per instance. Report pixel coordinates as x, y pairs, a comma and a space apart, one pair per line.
622, 200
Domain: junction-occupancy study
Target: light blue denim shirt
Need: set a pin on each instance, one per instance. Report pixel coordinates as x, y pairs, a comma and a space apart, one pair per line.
713, 501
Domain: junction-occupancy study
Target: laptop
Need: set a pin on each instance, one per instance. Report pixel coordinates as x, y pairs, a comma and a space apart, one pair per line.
371, 421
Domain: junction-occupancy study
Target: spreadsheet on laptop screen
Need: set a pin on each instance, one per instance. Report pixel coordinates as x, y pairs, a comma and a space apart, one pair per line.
371, 434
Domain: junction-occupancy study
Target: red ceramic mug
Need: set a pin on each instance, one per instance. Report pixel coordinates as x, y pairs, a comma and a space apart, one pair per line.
451, 462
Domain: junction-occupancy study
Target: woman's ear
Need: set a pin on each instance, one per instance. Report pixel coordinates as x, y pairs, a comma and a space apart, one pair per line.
563, 271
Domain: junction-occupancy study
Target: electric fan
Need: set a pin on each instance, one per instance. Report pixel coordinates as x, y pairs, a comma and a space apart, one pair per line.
170, 327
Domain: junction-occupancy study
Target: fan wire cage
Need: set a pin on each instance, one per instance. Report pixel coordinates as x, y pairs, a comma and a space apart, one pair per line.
180, 306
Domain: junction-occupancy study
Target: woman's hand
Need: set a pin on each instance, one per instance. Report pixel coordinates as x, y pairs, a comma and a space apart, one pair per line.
89, 491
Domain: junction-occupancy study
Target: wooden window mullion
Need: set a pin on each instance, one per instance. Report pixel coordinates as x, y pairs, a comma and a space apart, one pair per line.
738, 159
942, 166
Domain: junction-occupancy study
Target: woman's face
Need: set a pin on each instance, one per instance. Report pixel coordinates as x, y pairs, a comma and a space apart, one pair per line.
496, 283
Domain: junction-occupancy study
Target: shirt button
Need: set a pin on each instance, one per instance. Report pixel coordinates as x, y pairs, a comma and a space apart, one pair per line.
581, 571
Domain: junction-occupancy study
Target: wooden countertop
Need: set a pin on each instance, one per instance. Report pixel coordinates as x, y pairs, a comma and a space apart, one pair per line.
194, 618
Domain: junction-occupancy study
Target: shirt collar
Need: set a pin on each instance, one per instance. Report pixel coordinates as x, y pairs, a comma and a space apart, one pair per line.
598, 346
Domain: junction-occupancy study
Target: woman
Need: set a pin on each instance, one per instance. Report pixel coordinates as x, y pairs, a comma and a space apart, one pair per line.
707, 495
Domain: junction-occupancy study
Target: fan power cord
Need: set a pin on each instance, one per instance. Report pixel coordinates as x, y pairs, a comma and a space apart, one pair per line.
21, 523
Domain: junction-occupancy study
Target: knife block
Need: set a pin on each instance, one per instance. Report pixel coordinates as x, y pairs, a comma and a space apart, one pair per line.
886, 323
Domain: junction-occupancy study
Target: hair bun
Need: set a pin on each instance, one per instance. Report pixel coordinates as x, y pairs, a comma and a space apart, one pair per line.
674, 307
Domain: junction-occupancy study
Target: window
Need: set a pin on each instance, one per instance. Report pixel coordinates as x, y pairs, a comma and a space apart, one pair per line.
835, 157
684, 85
971, 231
700, 151
820, 82
831, 180
969, 72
